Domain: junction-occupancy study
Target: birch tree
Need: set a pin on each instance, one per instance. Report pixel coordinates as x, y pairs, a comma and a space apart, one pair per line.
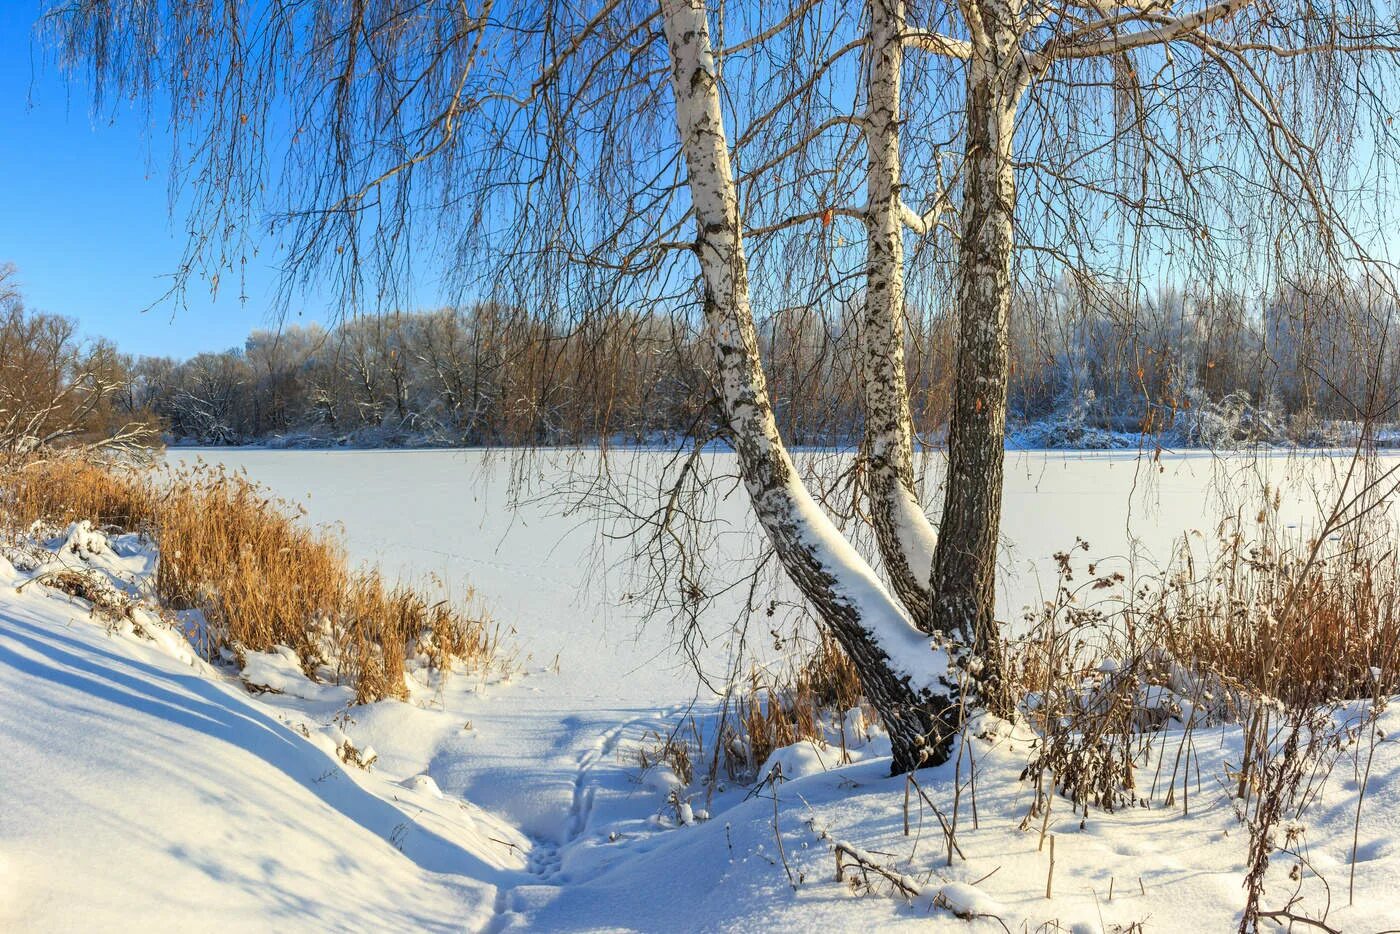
382, 99
637, 155
905, 537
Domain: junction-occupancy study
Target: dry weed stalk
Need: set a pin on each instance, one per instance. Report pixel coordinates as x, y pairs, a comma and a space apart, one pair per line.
1269, 618
1276, 630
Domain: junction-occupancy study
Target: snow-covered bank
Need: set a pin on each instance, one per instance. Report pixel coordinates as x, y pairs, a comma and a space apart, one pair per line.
1226, 425
146, 789
143, 789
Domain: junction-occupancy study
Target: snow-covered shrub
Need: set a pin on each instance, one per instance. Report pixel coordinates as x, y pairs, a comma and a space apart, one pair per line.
1071, 429
1282, 620
1220, 424
1272, 622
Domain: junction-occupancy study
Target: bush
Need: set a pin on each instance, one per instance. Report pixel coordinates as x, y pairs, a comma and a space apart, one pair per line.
259, 576
1269, 620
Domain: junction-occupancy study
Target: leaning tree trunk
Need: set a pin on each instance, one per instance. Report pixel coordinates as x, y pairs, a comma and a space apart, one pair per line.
902, 531
964, 564
904, 676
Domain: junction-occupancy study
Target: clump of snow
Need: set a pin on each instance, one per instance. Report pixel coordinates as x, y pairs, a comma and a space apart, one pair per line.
280, 671
423, 783
799, 759
83, 540
966, 901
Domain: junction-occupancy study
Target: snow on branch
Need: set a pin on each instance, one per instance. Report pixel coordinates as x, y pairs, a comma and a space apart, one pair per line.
924, 223
938, 44
1162, 30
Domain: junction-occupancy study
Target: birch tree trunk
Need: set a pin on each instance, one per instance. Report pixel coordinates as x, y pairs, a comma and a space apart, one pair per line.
902, 531
905, 677
964, 565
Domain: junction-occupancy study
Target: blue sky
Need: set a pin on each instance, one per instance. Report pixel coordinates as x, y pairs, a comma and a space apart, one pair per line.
85, 214
86, 219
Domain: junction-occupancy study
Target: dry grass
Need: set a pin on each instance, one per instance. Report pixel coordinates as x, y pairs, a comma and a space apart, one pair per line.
772, 709
779, 710
673, 751
261, 577
1264, 619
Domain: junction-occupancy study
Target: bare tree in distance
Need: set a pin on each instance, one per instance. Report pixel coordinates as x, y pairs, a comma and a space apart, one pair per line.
629, 155
57, 392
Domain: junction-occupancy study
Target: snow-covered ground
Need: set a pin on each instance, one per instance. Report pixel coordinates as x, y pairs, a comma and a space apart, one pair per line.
143, 789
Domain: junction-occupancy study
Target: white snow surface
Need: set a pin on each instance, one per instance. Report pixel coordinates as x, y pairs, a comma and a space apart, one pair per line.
143, 789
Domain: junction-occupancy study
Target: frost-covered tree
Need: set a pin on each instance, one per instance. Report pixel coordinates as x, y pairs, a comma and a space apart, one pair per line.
57, 391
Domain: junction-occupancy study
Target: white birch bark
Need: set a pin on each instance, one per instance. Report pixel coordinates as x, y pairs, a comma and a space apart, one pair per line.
902, 530
905, 677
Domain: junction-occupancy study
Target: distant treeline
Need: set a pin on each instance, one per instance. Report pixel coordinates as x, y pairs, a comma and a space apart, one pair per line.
1088, 370
1193, 369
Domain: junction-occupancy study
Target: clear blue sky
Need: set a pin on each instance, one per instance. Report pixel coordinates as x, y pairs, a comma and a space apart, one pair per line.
84, 214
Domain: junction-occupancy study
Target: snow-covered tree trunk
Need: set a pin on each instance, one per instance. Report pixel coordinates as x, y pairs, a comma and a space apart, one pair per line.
904, 675
902, 530
964, 565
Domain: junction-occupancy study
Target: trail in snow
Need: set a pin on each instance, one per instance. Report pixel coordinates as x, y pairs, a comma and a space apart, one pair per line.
144, 788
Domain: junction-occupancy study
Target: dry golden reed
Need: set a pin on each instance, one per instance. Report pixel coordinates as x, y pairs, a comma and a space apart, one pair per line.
1264, 618
782, 711
261, 577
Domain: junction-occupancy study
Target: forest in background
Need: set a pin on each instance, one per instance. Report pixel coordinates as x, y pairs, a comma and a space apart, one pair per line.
1090, 369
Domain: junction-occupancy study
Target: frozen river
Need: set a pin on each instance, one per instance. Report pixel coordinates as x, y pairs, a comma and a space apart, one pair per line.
553, 576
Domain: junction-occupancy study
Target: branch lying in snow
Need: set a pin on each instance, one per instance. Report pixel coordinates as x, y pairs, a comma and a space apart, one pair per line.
907, 885
962, 900
1287, 917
